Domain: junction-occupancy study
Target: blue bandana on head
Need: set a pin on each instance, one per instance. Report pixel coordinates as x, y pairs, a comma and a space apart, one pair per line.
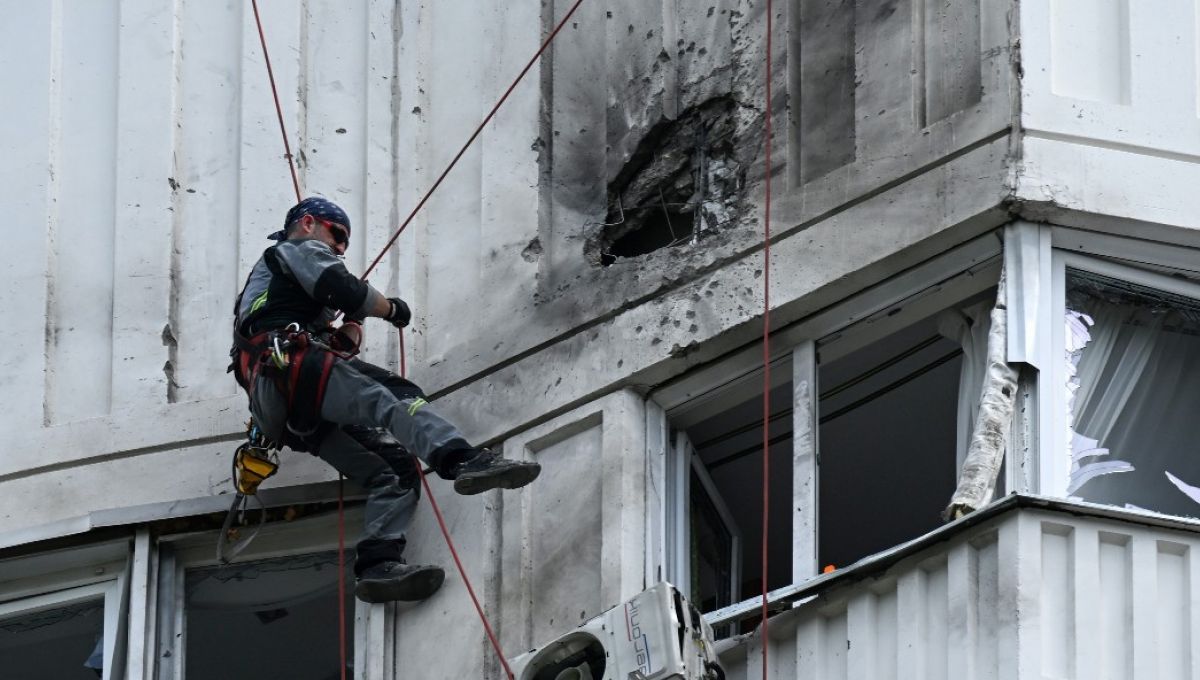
317, 207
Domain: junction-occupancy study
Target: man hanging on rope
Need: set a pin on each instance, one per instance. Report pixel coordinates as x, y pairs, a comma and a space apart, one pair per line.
308, 392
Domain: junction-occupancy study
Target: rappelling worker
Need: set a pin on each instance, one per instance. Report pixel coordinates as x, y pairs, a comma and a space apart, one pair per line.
308, 392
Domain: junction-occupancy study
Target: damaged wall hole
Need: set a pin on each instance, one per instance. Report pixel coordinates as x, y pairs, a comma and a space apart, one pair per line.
681, 183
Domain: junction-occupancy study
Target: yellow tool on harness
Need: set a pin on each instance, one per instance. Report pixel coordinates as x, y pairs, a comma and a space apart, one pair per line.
255, 461
252, 466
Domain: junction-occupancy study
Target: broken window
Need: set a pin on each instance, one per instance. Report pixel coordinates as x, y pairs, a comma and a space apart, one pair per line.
58, 635
894, 419
265, 619
1132, 369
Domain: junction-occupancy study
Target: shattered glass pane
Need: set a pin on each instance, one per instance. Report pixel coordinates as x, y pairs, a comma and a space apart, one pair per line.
1132, 360
63, 642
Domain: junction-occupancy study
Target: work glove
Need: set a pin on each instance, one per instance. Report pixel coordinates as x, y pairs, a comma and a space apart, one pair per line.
348, 338
400, 314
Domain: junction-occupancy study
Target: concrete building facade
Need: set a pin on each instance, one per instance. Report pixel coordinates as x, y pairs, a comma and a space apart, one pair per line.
588, 293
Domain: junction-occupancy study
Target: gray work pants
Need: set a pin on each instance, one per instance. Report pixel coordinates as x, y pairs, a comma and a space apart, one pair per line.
374, 460
359, 398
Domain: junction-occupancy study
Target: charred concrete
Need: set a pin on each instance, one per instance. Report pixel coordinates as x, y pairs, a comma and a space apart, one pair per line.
684, 181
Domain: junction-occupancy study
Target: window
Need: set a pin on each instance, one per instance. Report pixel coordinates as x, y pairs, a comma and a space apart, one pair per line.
61, 613
722, 484
872, 405
59, 635
266, 618
1128, 380
894, 418
272, 613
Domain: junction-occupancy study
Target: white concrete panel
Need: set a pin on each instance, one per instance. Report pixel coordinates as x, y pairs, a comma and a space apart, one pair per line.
1058, 602
448, 621
509, 174
334, 81
834, 647
574, 541
79, 345
936, 611
1114, 586
577, 130
29, 63
1112, 72
382, 117
143, 224
1063, 176
1090, 49
148, 168
459, 48
207, 195
1172, 608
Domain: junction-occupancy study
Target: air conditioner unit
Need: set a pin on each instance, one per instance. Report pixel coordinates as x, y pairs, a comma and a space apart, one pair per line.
657, 635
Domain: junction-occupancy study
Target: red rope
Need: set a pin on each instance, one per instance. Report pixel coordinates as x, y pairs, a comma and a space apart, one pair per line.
463, 572
766, 467
287, 149
341, 485
342, 573
474, 135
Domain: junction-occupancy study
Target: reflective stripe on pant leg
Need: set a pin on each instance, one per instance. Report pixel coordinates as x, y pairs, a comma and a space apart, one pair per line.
390, 505
352, 397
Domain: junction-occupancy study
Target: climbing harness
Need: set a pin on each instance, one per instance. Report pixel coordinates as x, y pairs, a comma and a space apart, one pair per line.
299, 365
255, 461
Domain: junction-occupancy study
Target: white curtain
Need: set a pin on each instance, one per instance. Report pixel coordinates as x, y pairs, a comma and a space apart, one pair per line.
969, 327
1134, 400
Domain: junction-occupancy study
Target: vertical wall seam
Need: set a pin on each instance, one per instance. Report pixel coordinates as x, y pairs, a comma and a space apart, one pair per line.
177, 214
52, 194
239, 194
368, 38
393, 342
114, 167
545, 149
302, 83
175, 264
919, 84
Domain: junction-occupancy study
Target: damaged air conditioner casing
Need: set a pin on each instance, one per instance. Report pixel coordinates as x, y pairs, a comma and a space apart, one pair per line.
657, 635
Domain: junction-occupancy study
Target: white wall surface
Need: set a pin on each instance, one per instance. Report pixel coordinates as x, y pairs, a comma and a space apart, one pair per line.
1111, 108
144, 170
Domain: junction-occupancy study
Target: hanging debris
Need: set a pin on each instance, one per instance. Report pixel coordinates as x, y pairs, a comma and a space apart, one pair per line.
989, 436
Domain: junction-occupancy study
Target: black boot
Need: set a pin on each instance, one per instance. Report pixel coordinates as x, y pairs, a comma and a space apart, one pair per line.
486, 471
391, 580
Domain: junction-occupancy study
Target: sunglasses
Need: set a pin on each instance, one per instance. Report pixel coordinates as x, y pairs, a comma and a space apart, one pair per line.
340, 236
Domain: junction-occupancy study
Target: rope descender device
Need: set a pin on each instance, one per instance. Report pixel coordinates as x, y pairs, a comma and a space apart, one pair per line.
254, 461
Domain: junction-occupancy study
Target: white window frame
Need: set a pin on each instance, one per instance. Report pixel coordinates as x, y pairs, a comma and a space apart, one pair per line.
374, 623
90, 572
840, 329
1073, 249
682, 463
